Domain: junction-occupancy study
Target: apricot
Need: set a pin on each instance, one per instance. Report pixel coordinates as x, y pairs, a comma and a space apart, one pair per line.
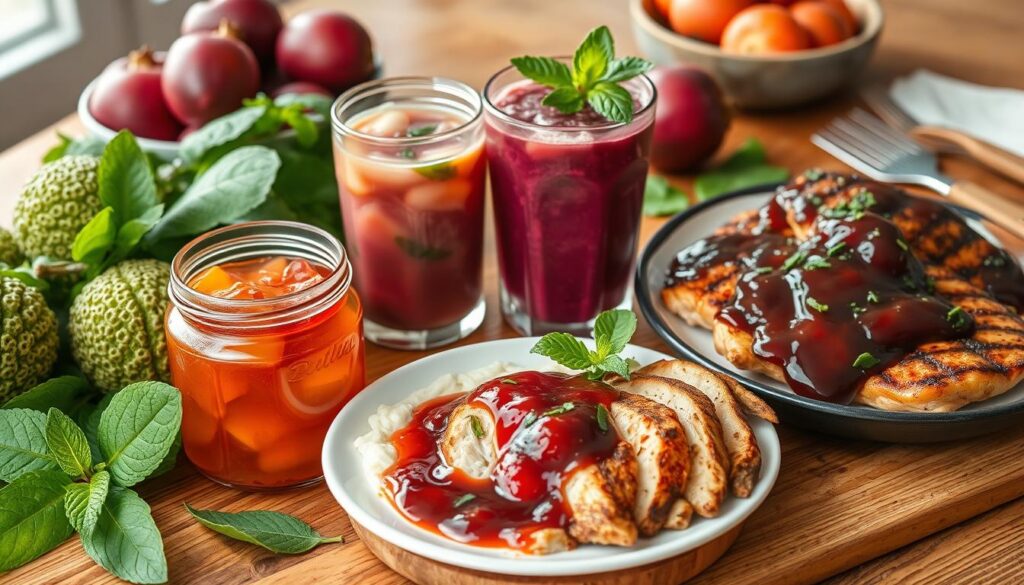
764, 29
825, 25
704, 20
844, 11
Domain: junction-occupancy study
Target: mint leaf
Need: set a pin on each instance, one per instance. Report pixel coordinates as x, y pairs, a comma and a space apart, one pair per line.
137, 430
126, 541
544, 70
306, 131
67, 444
564, 349
94, 239
236, 184
744, 168
314, 102
32, 519
614, 329
626, 68
90, 424
565, 99
83, 502
274, 531
170, 460
616, 365
661, 198
125, 178
592, 58
419, 251
611, 101
221, 131
23, 443
64, 393
131, 233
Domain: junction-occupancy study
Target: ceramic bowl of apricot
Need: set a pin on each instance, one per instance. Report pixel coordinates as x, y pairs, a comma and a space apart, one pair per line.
764, 55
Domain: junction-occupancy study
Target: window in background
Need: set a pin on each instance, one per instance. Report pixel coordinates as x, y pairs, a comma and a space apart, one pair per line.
32, 30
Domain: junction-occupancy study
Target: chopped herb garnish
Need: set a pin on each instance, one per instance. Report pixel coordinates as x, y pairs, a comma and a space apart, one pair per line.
816, 201
463, 500
909, 283
407, 153
866, 361
531, 417
957, 317
509, 381
794, 260
477, 426
817, 306
813, 175
421, 131
903, 245
816, 262
929, 283
872, 297
856, 309
833, 250
763, 269
602, 418
561, 409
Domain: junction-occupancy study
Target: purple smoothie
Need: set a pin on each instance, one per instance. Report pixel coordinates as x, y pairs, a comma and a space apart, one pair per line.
568, 192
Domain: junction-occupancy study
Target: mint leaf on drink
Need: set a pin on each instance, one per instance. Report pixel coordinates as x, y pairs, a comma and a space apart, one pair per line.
137, 429
32, 519
747, 167
612, 331
23, 443
661, 198
83, 502
274, 531
67, 444
593, 79
126, 541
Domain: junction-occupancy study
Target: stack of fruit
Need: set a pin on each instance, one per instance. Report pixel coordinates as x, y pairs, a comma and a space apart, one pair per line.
228, 52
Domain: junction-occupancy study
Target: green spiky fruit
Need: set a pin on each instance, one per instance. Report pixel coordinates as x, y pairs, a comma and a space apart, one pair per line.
28, 338
9, 252
116, 325
55, 205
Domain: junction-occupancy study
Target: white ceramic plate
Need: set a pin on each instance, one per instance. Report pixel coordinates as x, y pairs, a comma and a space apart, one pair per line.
848, 420
359, 494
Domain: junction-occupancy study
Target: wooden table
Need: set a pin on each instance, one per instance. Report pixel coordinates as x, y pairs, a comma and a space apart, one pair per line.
843, 511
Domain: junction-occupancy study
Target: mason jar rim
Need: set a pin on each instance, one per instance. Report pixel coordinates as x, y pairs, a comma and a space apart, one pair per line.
494, 110
254, 240
367, 89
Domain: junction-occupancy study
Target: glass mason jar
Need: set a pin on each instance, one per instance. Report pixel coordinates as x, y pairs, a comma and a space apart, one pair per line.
568, 192
411, 176
262, 379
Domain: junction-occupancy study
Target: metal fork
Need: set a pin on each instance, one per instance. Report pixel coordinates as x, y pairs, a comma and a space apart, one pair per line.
865, 143
942, 140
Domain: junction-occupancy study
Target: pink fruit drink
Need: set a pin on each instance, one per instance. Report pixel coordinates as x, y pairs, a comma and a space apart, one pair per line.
568, 191
412, 194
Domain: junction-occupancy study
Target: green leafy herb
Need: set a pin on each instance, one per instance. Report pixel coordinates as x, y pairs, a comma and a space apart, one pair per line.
23, 443
661, 198
602, 418
903, 245
744, 168
32, 519
64, 393
794, 260
813, 174
125, 179
509, 381
419, 251
421, 131
529, 419
477, 426
83, 502
612, 331
68, 146
560, 409
816, 263
137, 429
594, 78
836, 249
816, 305
856, 309
221, 131
125, 539
958, 317
866, 361
872, 297
274, 531
67, 444
438, 172
463, 500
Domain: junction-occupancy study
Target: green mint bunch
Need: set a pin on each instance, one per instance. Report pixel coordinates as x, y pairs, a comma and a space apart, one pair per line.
612, 331
63, 478
594, 78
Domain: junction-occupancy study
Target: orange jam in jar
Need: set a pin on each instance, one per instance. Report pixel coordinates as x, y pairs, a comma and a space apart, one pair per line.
265, 341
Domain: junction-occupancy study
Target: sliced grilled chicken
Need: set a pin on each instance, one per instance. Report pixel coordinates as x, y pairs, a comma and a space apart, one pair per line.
680, 515
709, 464
601, 498
662, 455
740, 442
750, 401
469, 442
550, 540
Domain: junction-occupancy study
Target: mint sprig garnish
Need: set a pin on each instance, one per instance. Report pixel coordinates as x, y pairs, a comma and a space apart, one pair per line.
612, 331
594, 78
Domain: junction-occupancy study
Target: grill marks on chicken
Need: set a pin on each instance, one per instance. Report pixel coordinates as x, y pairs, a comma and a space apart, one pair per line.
983, 280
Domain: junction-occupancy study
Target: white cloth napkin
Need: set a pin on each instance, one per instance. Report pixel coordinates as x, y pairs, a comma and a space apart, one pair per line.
993, 114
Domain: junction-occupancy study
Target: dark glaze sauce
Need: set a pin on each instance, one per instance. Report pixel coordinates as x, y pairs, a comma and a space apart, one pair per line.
523, 492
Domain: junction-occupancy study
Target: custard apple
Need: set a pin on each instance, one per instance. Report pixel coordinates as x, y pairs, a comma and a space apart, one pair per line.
116, 325
28, 337
55, 205
9, 252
